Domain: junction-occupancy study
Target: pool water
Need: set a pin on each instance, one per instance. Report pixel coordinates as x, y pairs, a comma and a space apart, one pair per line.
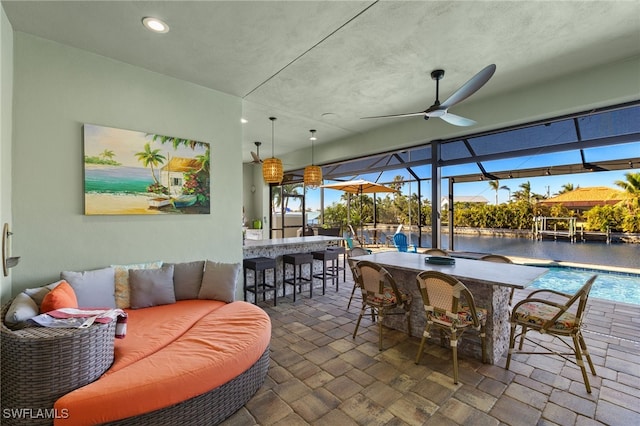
611, 286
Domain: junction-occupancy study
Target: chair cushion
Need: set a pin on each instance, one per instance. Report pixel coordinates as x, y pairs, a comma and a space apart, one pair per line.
386, 299
536, 313
464, 316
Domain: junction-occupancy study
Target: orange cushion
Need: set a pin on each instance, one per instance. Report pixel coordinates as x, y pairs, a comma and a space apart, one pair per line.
62, 296
217, 348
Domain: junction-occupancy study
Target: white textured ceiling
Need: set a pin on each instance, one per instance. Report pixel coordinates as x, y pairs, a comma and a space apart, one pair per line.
299, 60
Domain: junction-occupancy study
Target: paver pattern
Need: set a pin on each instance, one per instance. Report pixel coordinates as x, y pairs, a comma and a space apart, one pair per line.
320, 375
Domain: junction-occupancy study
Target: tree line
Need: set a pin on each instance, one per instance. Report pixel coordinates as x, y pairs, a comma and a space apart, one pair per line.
518, 213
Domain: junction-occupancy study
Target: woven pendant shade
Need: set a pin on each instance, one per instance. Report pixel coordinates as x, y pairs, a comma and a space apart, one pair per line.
272, 170
313, 176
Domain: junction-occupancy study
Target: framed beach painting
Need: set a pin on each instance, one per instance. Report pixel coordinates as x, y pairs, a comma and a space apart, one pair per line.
130, 172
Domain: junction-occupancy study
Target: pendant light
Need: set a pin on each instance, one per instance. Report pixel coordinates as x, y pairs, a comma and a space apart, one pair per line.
312, 174
272, 167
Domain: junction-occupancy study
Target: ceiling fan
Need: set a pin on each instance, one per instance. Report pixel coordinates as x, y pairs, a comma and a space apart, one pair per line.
256, 155
440, 110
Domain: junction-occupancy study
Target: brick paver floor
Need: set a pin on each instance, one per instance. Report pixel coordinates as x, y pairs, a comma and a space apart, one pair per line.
320, 375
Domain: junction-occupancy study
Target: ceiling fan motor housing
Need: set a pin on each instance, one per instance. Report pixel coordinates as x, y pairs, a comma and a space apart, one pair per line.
437, 74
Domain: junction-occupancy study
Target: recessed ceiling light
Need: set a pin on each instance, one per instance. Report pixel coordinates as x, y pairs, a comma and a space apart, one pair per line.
244, 120
156, 25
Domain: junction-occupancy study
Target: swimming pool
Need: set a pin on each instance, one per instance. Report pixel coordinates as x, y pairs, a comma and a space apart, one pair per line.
611, 286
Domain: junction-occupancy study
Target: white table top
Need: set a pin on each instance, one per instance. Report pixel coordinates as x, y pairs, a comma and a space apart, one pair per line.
279, 242
504, 274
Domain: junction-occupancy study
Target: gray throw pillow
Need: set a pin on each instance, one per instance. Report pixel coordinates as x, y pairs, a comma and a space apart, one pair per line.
151, 287
38, 293
22, 308
219, 281
94, 289
187, 278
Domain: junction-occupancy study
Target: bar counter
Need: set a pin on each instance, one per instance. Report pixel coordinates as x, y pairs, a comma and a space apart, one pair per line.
490, 284
276, 247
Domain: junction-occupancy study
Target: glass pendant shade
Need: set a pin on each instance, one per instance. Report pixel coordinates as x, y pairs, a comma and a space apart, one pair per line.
272, 171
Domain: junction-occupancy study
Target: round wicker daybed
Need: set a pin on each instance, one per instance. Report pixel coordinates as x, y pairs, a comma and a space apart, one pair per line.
45, 369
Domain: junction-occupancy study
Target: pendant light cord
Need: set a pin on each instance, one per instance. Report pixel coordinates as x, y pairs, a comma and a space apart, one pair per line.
273, 119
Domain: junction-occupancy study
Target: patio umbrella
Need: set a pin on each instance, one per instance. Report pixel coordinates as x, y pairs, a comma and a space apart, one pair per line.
359, 186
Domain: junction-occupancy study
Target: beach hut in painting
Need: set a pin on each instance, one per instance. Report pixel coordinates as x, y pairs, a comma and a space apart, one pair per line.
173, 173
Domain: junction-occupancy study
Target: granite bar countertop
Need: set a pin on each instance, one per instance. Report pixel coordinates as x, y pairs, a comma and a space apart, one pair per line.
292, 241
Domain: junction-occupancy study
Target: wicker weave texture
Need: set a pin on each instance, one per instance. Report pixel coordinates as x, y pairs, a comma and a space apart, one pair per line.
40, 364
210, 408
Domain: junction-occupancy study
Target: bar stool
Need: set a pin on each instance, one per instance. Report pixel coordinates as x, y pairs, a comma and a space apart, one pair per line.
297, 260
329, 271
257, 265
341, 252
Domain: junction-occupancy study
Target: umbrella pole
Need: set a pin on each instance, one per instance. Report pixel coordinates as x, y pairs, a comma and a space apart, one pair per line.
349, 210
361, 221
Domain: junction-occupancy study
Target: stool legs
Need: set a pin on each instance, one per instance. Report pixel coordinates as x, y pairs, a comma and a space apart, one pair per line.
297, 261
329, 269
258, 265
264, 286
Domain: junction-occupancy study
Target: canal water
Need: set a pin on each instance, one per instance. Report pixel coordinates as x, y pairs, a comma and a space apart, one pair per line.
592, 253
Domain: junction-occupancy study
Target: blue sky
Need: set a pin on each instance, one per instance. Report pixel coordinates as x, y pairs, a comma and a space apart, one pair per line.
539, 185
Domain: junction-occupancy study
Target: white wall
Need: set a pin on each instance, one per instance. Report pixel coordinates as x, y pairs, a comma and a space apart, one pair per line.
57, 89
6, 99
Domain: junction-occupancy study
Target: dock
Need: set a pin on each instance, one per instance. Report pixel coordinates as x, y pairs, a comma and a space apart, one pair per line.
566, 228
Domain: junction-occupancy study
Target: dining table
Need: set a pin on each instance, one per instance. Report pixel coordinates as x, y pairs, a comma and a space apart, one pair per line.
490, 283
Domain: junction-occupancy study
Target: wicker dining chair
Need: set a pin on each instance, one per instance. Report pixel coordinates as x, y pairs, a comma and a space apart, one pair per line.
559, 320
498, 258
435, 252
356, 251
441, 295
380, 294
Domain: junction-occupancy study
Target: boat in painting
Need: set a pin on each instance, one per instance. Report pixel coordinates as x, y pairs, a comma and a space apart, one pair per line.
159, 202
184, 201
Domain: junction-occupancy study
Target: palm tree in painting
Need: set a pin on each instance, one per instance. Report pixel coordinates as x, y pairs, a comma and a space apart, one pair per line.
151, 158
632, 187
177, 142
495, 185
204, 161
107, 154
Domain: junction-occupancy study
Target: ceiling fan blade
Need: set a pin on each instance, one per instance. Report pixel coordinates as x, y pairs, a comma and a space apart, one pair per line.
410, 114
255, 157
470, 87
456, 120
